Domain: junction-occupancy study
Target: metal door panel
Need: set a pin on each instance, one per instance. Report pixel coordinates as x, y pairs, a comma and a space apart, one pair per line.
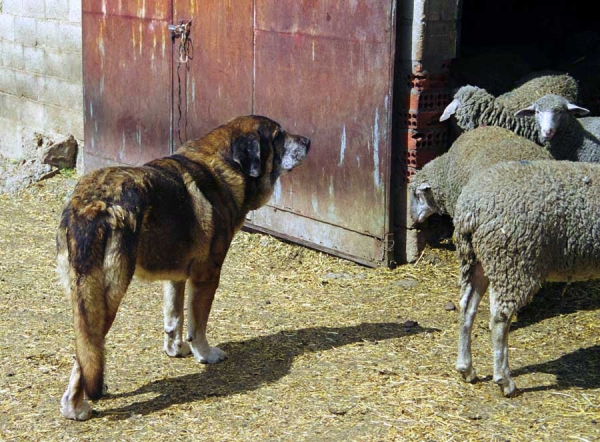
337, 89
346, 117
358, 20
127, 90
218, 83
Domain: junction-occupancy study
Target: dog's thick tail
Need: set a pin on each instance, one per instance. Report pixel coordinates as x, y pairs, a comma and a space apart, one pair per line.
80, 266
89, 313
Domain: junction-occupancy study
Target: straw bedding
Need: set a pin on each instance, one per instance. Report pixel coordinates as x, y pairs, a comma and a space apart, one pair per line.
319, 349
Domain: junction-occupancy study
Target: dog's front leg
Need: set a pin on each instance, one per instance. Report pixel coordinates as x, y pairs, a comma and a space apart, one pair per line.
174, 292
201, 295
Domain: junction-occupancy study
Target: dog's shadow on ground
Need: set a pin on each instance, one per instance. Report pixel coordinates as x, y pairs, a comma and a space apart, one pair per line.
555, 299
252, 364
578, 369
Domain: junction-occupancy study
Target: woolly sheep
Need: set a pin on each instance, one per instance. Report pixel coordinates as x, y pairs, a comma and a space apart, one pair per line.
516, 226
473, 106
435, 188
566, 137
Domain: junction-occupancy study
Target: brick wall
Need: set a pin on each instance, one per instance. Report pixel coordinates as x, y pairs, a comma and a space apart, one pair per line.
41, 87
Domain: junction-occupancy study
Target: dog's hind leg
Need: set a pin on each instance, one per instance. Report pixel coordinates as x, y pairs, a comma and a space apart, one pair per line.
89, 315
73, 404
201, 295
95, 297
174, 293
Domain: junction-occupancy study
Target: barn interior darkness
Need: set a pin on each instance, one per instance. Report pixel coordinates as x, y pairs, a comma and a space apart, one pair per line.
557, 35
549, 25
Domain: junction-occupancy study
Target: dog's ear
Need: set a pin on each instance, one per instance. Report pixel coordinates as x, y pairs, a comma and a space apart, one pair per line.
245, 150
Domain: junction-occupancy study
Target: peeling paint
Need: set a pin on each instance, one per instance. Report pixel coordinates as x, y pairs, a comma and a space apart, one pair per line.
315, 202
141, 35
277, 192
123, 144
343, 146
376, 175
133, 41
331, 187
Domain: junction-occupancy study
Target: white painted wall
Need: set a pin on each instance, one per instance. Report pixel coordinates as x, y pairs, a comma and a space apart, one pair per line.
41, 87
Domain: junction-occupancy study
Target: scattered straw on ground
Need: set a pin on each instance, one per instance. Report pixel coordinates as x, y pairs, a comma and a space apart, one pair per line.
319, 349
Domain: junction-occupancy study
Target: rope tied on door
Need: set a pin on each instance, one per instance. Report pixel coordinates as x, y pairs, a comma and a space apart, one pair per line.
186, 53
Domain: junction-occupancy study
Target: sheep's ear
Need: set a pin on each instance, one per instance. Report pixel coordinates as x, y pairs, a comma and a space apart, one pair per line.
424, 186
450, 110
577, 111
526, 112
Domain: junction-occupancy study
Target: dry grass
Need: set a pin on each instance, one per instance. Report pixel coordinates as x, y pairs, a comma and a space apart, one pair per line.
319, 349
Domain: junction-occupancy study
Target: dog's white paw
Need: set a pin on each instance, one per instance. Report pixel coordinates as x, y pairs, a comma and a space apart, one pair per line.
70, 411
213, 356
176, 348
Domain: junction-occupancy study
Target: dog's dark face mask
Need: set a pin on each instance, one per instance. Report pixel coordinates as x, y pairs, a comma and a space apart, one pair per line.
269, 150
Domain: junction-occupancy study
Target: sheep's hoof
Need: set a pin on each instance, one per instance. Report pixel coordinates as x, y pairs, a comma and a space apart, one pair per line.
468, 374
507, 387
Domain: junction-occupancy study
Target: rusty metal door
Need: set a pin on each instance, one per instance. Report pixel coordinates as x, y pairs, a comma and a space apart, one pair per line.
323, 69
127, 67
215, 85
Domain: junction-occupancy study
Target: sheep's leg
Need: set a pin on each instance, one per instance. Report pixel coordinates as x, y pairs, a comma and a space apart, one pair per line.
473, 290
499, 325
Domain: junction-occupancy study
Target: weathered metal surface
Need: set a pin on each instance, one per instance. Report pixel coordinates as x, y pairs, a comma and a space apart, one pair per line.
324, 69
216, 84
127, 64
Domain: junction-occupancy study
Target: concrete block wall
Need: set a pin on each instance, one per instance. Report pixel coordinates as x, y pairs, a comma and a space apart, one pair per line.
41, 86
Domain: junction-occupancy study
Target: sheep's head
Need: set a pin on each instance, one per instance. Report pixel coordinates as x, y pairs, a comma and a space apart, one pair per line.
551, 112
467, 106
422, 202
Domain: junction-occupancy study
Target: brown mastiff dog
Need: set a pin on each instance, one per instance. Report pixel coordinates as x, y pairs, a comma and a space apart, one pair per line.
171, 219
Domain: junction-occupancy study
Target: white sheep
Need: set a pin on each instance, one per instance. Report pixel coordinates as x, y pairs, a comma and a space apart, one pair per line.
473, 106
566, 137
436, 187
517, 225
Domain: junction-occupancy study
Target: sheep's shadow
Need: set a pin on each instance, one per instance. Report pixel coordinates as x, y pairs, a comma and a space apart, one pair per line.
578, 369
252, 364
555, 299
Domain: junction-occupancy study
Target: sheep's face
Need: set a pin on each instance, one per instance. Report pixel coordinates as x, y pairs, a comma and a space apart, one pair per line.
422, 203
551, 113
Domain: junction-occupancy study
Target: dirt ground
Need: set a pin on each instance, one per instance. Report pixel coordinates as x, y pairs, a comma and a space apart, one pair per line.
320, 349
